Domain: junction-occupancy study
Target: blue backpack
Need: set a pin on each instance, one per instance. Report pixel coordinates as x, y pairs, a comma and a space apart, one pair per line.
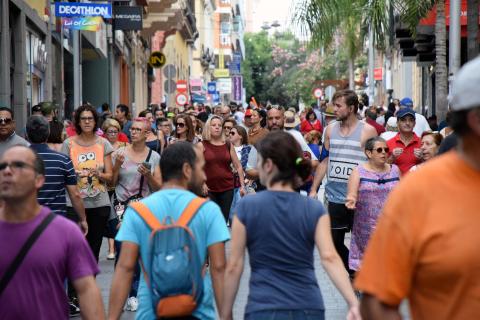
175, 276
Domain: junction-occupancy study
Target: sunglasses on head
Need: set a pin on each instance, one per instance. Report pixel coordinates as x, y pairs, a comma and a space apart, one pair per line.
6, 120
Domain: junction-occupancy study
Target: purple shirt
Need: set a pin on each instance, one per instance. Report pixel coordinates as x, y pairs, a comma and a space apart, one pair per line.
37, 289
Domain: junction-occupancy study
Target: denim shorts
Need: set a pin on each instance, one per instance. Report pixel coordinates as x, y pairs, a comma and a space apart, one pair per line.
286, 315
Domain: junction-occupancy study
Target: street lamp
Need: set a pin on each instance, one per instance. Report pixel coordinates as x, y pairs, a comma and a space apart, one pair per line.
266, 26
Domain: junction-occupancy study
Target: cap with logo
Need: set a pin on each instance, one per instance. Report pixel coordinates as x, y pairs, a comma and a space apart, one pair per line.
465, 94
406, 102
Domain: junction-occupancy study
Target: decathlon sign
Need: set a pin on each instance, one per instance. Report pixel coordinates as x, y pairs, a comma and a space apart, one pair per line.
72, 9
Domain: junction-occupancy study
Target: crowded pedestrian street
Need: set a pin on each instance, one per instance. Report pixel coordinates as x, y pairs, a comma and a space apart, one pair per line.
239, 159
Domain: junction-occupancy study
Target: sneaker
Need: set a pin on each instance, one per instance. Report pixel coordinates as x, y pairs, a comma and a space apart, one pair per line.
132, 304
111, 256
73, 307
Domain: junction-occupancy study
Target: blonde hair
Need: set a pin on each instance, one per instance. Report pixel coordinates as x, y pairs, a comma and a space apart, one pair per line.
109, 122
314, 134
207, 133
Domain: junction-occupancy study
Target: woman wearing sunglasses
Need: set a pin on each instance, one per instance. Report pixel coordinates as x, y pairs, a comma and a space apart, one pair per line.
184, 130
368, 188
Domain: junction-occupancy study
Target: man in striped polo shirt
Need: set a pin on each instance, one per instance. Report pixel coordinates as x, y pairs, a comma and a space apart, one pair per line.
342, 151
59, 173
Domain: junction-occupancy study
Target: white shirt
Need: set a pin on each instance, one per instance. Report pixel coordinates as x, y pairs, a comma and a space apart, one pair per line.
421, 125
303, 144
387, 135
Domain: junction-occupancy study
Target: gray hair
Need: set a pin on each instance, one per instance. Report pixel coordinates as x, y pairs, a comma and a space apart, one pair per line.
371, 142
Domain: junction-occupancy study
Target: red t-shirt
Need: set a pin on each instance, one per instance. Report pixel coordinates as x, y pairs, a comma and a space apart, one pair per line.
407, 159
217, 169
306, 126
380, 129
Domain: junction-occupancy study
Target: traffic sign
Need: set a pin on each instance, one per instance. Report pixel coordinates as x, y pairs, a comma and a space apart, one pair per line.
181, 99
317, 93
157, 59
169, 86
170, 71
212, 87
182, 86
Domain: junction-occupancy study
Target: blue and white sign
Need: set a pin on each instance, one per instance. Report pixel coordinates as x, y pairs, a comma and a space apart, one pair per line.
73, 9
216, 97
236, 64
212, 87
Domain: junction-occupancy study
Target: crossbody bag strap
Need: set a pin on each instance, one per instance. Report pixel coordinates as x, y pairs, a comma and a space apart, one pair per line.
13, 267
190, 211
142, 178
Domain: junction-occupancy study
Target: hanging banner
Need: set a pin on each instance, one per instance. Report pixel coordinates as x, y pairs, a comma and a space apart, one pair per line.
127, 18
85, 23
73, 9
237, 88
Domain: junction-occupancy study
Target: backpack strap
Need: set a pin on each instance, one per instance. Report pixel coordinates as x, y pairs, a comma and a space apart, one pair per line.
146, 215
190, 211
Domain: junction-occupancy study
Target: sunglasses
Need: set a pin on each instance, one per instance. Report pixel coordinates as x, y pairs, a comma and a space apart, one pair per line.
15, 166
6, 120
227, 128
232, 133
379, 150
180, 124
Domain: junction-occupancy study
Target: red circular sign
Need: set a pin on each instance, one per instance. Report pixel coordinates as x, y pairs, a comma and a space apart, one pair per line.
181, 99
318, 93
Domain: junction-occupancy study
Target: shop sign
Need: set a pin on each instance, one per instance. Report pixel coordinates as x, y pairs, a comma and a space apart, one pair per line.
127, 18
237, 86
73, 9
157, 59
221, 73
82, 23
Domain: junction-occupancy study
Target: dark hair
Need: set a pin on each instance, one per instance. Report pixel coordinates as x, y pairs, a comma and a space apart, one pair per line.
243, 133
285, 152
123, 108
437, 137
8, 110
37, 129
143, 113
105, 107
231, 120
173, 158
370, 143
351, 98
79, 111
56, 132
459, 123
160, 120
188, 124
38, 164
371, 113
307, 116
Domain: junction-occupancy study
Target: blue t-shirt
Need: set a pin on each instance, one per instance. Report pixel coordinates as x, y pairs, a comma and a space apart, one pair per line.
208, 227
280, 230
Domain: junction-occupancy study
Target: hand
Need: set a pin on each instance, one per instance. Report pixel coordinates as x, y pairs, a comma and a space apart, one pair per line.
313, 194
242, 191
119, 159
144, 171
354, 313
83, 226
205, 189
397, 152
351, 203
418, 153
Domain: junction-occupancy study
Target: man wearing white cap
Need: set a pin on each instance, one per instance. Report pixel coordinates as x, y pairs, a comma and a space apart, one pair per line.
392, 129
425, 247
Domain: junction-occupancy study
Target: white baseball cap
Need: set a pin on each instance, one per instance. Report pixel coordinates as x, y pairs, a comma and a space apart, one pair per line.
465, 93
392, 122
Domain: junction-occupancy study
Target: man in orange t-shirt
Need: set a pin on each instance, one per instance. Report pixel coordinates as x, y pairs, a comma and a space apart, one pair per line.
425, 247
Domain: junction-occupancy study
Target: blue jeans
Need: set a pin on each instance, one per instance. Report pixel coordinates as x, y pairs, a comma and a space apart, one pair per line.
236, 198
286, 315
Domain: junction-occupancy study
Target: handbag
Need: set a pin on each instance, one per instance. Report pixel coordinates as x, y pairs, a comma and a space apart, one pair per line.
13, 267
121, 206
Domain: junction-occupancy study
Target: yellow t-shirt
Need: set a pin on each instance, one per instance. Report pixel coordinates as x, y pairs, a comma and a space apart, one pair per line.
426, 245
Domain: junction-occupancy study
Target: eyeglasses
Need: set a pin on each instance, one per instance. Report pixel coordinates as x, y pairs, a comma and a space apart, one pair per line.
112, 132
133, 129
15, 166
86, 119
379, 150
180, 124
227, 128
6, 120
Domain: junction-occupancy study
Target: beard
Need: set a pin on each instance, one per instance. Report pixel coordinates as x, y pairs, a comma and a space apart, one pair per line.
196, 187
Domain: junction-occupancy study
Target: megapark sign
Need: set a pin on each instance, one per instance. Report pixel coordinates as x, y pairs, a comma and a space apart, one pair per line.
72, 9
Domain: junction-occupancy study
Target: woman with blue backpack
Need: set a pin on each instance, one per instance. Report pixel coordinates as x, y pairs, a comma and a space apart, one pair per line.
280, 228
